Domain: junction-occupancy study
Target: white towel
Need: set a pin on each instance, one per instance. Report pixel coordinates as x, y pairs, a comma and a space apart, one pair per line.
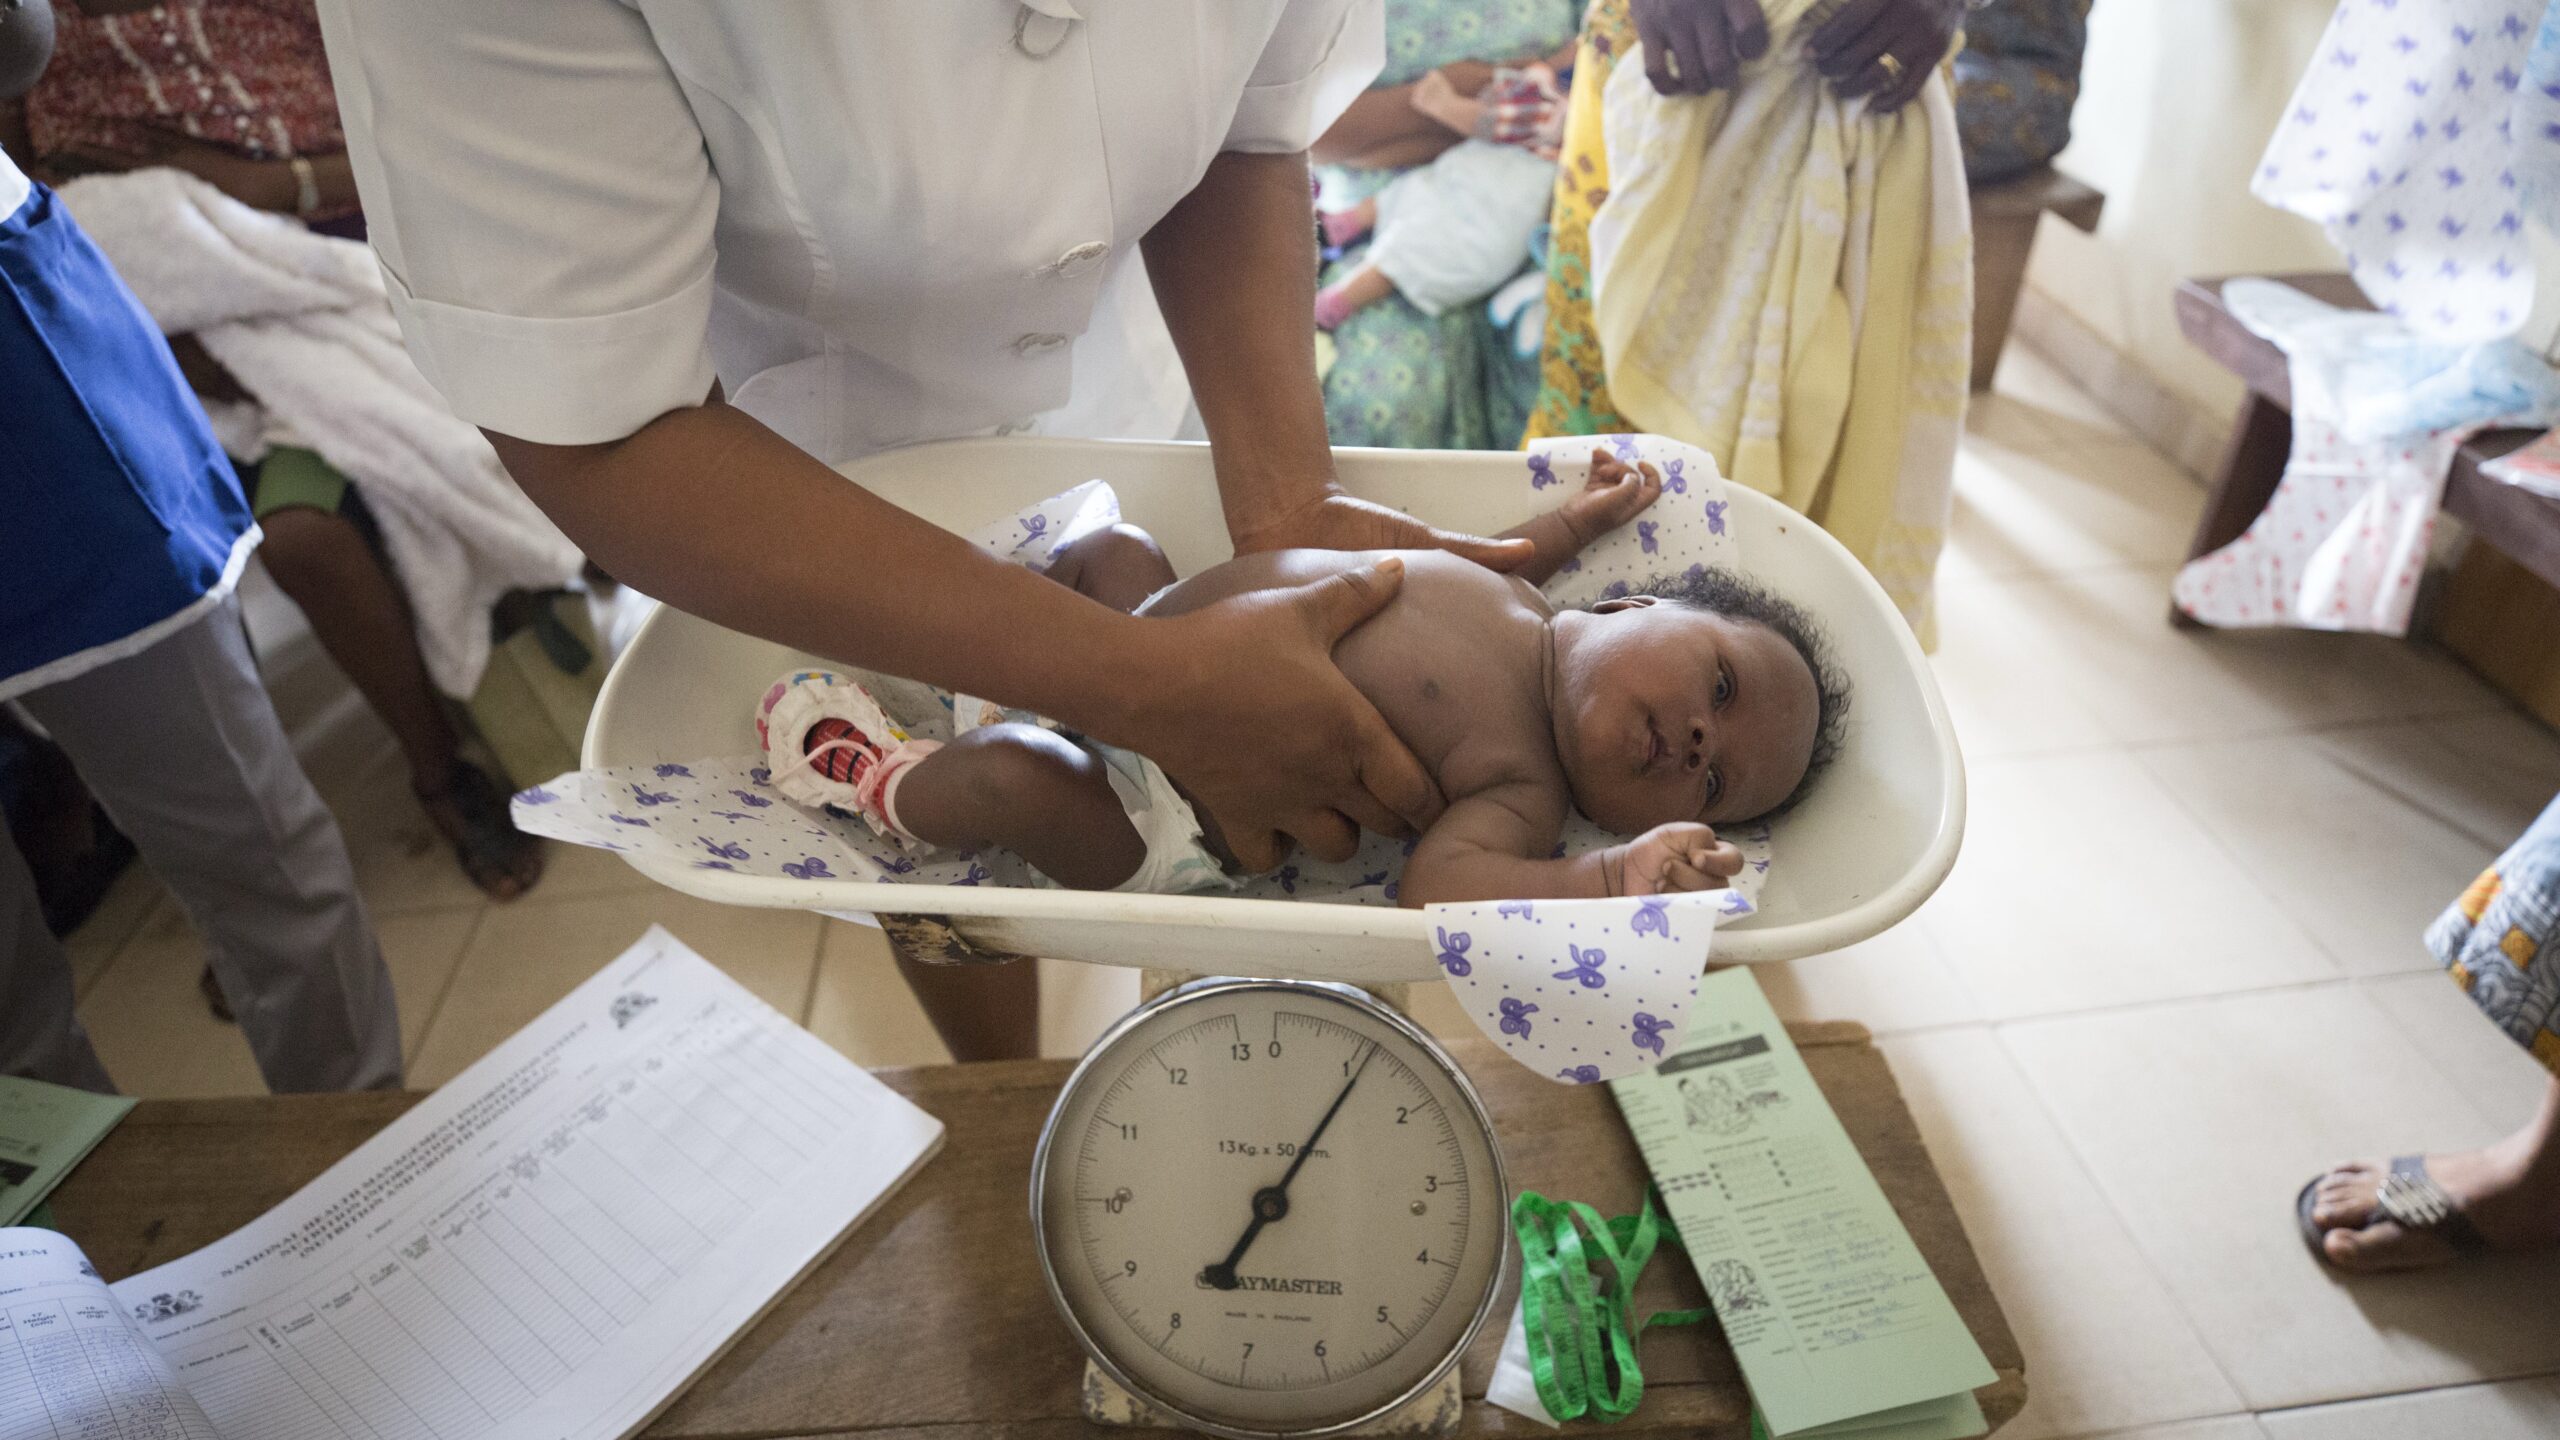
301, 321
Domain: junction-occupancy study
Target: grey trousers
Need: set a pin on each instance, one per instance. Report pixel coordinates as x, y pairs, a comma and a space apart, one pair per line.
182, 746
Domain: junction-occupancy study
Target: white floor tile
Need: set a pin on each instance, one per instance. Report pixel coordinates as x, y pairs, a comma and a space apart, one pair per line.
2100, 640
2502, 1082
2486, 775
2220, 1427
422, 951
2200, 1121
2361, 869
2000, 682
2515, 1410
862, 1005
2083, 883
2052, 1247
527, 955
123, 912
1898, 981
2085, 508
154, 1031
2056, 404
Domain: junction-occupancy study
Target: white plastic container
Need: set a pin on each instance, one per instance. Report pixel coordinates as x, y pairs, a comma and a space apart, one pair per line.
1873, 839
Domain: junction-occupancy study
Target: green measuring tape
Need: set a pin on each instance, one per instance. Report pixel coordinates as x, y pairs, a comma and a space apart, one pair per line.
1577, 1337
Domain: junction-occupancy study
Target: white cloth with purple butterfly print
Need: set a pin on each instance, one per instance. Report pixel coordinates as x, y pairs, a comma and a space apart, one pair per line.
2415, 139
1581, 991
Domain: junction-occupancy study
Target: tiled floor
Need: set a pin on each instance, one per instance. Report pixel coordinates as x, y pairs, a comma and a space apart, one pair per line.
2175, 971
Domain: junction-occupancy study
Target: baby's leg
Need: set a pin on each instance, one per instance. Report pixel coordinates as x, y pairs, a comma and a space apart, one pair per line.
1120, 566
1350, 295
1037, 794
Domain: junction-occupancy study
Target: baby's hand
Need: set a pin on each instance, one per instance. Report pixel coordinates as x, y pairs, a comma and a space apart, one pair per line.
1615, 494
1676, 857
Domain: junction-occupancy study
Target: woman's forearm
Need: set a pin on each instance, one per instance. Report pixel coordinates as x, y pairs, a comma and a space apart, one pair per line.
1234, 269
708, 510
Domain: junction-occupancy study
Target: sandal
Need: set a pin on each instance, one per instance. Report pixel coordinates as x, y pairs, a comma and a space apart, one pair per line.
2408, 1197
489, 848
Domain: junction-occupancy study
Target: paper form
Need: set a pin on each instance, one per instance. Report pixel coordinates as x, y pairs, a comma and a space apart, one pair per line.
72, 1367
44, 1131
554, 1244
1837, 1321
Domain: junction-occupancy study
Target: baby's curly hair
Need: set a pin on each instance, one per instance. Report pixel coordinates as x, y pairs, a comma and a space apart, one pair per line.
1724, 592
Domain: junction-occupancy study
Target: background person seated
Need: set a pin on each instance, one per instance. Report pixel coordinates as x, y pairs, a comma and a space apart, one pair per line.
2017, 77
1401, 377
237, 93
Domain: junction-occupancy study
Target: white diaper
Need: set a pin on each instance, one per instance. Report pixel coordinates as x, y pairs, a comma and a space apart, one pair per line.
1177, 862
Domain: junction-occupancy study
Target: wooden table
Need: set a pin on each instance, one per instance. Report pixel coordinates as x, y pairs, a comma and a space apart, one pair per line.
931, 1318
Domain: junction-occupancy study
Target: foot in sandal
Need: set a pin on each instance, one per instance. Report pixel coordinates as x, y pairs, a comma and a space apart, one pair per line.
470, 811
2416, 1211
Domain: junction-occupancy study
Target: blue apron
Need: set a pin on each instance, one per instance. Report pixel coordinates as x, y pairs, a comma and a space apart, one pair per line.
117, 508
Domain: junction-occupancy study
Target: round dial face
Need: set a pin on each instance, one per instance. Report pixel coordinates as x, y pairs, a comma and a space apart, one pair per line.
1270, 1207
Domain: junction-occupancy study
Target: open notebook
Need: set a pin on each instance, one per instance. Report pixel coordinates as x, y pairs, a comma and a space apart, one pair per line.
551, 1247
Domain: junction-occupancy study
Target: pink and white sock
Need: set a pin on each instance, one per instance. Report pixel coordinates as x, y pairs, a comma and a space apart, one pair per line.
828, 744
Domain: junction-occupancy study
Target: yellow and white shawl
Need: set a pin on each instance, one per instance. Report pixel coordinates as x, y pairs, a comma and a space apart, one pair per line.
1787, 281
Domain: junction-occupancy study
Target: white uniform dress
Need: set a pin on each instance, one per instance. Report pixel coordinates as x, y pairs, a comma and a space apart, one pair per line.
875, 223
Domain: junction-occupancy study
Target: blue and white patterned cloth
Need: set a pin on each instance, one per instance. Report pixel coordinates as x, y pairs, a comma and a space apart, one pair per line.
2422, 138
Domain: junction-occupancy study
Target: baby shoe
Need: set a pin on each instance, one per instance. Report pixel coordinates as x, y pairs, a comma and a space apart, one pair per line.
828, 744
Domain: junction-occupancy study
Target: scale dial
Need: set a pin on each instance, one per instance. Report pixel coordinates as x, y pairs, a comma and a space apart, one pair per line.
1270, 1207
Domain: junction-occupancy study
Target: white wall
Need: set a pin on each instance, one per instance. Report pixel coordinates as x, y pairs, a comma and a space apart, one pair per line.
2178, 98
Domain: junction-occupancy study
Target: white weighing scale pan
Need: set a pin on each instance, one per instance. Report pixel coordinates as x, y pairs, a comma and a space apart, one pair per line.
1867, 846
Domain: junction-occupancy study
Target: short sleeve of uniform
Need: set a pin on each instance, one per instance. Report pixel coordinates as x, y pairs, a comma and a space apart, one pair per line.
1321, 55
539, 197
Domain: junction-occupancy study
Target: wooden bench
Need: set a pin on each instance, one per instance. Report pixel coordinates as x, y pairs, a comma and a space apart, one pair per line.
2517, 522
931, 1319
2004, 234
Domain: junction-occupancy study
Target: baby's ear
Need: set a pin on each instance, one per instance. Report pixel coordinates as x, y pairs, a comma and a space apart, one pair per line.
1625, 602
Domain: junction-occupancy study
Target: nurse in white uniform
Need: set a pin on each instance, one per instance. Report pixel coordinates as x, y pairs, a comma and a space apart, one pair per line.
675, 257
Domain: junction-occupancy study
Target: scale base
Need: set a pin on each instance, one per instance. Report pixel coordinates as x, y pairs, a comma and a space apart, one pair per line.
1432, 1413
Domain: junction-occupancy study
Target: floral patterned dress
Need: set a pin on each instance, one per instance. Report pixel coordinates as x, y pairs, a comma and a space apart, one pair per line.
1401, 378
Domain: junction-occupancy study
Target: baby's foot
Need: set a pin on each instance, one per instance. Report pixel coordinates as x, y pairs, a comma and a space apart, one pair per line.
827, 743
1341, 227
1335, 304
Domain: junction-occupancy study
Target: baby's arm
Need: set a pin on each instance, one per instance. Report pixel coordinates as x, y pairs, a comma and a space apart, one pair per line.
1615, 494
1494, 845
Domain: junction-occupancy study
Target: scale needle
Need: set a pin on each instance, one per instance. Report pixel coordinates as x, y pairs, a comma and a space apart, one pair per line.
1271, 1202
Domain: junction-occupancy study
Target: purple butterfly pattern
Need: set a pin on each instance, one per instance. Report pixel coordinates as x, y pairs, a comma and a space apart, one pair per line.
1580, 1074
1675, 476
1649, 535
1515, 910
1453, 952
1542, 472
1715, 516
752, 800
730, 851
536, 795
1586, 967
1653, 916
1649, 1032
808, 868
647, 797
1515, 1017
668, 772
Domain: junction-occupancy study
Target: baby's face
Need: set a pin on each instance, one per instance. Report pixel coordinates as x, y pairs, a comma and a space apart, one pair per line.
1668, 713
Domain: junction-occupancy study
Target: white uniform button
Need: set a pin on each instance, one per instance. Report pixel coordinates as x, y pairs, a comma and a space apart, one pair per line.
1038, 344
1080, 259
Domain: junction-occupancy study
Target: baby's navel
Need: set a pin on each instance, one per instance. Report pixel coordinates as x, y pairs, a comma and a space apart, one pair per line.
1430, 689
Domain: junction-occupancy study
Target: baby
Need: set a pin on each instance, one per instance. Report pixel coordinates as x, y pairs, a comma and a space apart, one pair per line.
1703, 701
1452, 230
